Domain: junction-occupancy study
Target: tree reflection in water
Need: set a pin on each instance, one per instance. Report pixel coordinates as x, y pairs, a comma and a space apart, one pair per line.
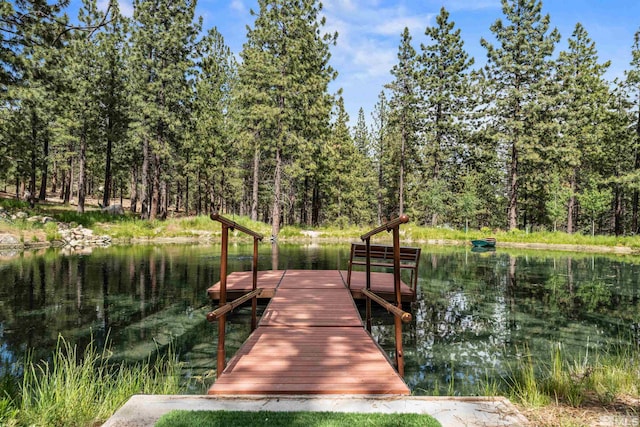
476, 313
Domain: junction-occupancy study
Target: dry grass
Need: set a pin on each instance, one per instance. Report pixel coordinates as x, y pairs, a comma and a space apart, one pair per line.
624, 411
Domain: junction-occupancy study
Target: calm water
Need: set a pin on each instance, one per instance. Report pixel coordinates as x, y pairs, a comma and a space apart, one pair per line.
475, 316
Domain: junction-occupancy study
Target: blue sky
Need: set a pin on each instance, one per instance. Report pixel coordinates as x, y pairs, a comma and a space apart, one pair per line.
369, 33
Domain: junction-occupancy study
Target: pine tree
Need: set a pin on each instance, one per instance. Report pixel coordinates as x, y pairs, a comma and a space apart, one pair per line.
162, 41
34, 71
633, 92
283, 92
83, 79
380, 148
113, 49
361, 135
583, 100
516, 72
404, 107
445, 90
212, 157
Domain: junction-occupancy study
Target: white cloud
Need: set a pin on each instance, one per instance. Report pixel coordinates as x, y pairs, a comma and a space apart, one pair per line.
395, 27
460, 5
238, 6
126, 6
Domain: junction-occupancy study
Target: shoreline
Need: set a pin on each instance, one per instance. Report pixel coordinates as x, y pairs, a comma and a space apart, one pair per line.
618, 250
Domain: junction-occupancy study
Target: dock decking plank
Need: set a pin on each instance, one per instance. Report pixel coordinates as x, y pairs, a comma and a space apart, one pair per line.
381, 284
310, 340
241, 282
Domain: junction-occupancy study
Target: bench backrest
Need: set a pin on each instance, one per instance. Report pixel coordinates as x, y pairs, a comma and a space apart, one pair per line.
382, 256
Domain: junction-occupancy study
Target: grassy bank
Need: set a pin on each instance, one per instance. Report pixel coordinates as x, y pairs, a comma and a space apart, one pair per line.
577, 392
129, 227
81, 388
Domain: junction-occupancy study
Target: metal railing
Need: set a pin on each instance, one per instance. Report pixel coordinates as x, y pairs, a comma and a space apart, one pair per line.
220, 313
399, 315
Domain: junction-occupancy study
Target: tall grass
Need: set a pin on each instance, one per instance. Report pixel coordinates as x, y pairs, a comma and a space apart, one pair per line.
602, 376
80, 389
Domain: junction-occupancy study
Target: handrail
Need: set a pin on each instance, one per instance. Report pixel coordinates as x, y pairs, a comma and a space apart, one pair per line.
404, 316
235, 226
221, 313
393, 225
230, 306
388, 226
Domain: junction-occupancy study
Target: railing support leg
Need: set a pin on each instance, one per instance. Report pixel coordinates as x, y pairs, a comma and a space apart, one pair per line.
396, 280
368, 283
221, 358
254, 300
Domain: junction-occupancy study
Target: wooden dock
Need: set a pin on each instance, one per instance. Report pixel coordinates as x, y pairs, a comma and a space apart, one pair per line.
239, 283
310, 340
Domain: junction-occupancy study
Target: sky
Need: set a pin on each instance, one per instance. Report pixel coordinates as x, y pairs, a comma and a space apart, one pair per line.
369, 33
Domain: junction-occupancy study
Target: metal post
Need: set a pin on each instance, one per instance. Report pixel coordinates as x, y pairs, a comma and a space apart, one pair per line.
223, 300
368, 284
254, 300
396, 282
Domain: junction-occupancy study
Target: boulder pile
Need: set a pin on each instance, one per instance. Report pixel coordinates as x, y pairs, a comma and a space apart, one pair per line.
80, 237
71, 237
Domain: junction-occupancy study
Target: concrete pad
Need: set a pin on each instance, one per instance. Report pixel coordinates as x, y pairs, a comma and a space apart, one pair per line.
145, 410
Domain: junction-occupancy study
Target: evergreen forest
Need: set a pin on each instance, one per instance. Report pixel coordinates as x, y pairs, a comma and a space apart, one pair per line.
157, 111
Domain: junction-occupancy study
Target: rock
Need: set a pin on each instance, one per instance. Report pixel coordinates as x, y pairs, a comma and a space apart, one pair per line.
310, 233
113, 210
9, 239
79, 237
34, 219
47, 219
21, 215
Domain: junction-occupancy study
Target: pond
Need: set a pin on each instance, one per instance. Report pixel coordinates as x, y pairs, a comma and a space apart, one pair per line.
476, 315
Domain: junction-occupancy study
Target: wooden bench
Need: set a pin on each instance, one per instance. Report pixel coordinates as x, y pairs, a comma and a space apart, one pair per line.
382, 256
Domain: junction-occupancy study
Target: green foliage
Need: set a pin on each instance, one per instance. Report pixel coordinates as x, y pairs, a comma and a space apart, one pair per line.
605, 374
293, 419
558, 196
595, 201
283, 93
159, 109
524, 386
517, 73
83, 388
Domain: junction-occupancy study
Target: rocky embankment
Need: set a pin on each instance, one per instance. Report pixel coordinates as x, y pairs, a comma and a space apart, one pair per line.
68, 236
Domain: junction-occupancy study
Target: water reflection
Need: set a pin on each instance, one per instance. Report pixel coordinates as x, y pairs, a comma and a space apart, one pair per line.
475, 315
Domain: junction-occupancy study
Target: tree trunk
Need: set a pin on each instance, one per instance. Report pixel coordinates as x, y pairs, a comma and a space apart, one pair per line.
155, 190
513, 189
45, 170
107, 168
275, 217
164, 199
401, 183
256, 187
618, 226
34, 144
134, 188
54, 179
380, 183
69, 181
636, 196
63, 184
572, 203
82, 166
199, 202
144, 190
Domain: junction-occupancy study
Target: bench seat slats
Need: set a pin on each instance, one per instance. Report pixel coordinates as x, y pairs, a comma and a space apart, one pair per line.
382, 256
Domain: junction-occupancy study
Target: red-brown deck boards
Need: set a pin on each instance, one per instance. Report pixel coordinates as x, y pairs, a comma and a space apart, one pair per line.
381, 284
241, 282
310, 340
